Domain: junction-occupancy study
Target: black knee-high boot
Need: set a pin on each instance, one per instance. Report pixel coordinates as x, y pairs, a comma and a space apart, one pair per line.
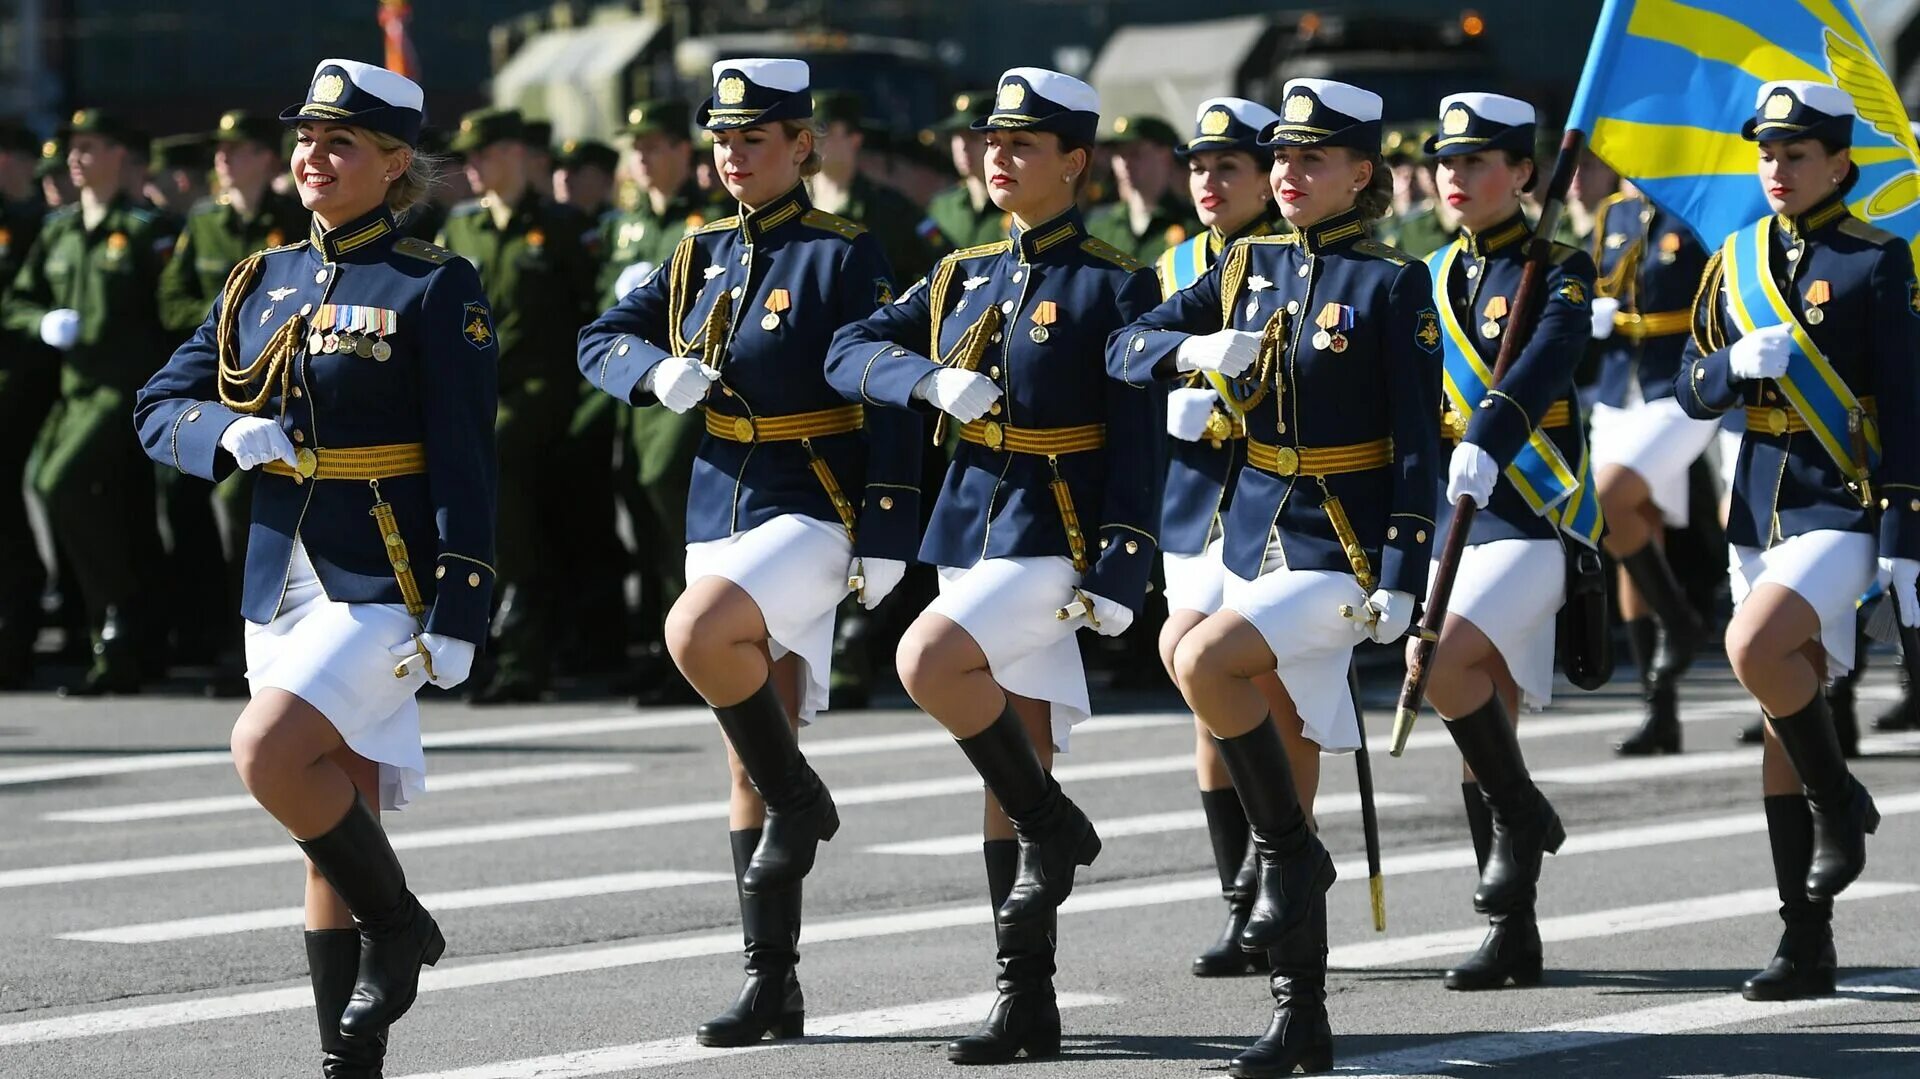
1524, 823
1680, 629
1299, 1040
1227, 828
333, 962
1479, 823
1025, 1017
1804, 963
1294, 867
800, 812
770, 1001
1511, 950
397, 935
1840, 695
1843, 812
1054, 835
1660, 731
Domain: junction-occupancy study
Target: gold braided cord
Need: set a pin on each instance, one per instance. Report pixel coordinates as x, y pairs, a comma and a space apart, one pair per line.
714, 333
679, 273
937, 286
966, 355
248, 389
1233, 274
1709, 336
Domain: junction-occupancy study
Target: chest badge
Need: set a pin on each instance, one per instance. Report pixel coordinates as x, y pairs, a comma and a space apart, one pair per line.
1334, 320
969, 285
778, 300
1818, 292
1669, 248
712, 272
1496, 310
1045, 314
278, 294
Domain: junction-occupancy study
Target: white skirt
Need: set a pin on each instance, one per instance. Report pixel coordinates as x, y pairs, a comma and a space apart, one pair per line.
1511, 590
795, 568
1829, 569
1196, 582
1007, 606
1727, 444
1298, 613
339, 658
1659, 442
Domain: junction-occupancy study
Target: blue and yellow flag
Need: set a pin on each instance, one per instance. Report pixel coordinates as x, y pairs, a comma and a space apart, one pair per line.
1668, 84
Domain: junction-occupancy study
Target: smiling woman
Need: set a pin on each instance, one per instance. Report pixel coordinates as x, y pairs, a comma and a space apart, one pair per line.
391, 339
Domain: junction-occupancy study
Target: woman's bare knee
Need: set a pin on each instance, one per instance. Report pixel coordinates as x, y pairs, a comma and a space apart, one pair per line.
929, 656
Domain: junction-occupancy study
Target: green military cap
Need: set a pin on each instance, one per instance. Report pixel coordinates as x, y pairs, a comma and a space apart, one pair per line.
1405, 142
484, 127
53, 157
586, 153
238, 125
105, 123
968, 106
842, 106
662, 114
1141, 129
538, 134
180, 152
16, 139
434, 141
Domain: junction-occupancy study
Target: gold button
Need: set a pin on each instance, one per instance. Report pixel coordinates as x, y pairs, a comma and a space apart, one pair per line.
993, 372
193, 416
473, 580
1104, 544
394, 540
306, 463
299, 436
726, 391
297, 393
1914, 505
1286, 461
1420, 536
402, 566
1777, 420
743, 429
1133, 547
993, 435
886, 502
1772, 396
1393, 531
994, 409
439, 573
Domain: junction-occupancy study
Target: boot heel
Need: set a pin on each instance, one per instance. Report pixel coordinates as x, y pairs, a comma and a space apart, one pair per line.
436, 947
1042, 1043
1529, 972
791, 1025
1317, 1060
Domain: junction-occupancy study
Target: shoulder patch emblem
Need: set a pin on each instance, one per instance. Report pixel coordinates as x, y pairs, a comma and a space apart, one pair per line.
1574, 292
476, 325
882, 292
1427, 330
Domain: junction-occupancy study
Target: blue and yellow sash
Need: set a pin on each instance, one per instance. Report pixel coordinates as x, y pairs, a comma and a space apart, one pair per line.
1539, 471
1816, 390
1184, 263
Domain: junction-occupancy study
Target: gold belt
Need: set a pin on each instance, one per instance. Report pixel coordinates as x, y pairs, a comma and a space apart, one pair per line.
353, 463
1319, 461
1638, 326
1453, 426
793, 428
1039, 441
1788, 421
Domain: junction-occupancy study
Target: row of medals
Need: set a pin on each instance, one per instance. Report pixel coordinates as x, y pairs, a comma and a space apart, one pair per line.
364, 345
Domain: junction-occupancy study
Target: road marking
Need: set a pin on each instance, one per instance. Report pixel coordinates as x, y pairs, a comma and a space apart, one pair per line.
478, 778
854, 927
1630, 769
466, 899
852, 1026
1184, 820
1599, 923
1489, 1050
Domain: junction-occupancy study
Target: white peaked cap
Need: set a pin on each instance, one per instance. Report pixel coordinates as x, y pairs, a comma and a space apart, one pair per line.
1826, 97
389, 86
1063, 90
1499, 108
1362, 105
1251, 113
791, 76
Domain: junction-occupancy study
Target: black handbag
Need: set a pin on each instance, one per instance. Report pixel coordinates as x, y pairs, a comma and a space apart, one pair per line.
1584, 637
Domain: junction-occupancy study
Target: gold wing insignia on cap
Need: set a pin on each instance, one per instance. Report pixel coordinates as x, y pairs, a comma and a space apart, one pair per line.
732, 90
1299, 109
1455, 121
1012, 96
328, 88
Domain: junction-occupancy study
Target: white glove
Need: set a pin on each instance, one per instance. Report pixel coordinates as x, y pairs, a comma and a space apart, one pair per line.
1762, 353
882, 576
680, 382
1471, 472
1108, 619
60, 329
632, 278
1230, 352
964, 395
253, 442
1188, 411
1604, 308
1395, 610
452, 658
1903, 573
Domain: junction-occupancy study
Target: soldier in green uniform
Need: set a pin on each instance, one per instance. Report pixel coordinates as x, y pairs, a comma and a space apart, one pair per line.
538, 135
29, 385
840, 188
583, 177
657, 452
539, 283
1416, 225
56, 185
247, 216
88, 288
177, 173
1149, 215
963, 216
424, 219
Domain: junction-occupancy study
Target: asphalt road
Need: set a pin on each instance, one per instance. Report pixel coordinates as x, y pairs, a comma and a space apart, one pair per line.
576, 856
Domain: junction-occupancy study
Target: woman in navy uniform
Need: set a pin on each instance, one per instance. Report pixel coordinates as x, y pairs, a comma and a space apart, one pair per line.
1644, 446
1809, 320
355, 370
1329, 336
1227, 175
1046, 520
797, 497
1520, 456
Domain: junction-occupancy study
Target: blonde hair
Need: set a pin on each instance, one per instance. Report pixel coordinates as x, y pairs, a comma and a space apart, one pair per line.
418, 181
812, 165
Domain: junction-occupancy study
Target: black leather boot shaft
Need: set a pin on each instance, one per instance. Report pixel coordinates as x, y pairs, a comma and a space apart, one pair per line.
1479, 822
1804, 964
1025, 1015
1299, 1039
1294, 868
1659, 732
1679, 636
770, 1000
333, 963
800, 813
1233, 859
1525, 826
1053, 834
1843, 811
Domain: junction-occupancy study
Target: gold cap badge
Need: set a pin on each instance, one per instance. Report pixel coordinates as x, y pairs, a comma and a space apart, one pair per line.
1215, 122
1012, 96
328, 88
1779, 106
732, 90
1455, 121
1298, 109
